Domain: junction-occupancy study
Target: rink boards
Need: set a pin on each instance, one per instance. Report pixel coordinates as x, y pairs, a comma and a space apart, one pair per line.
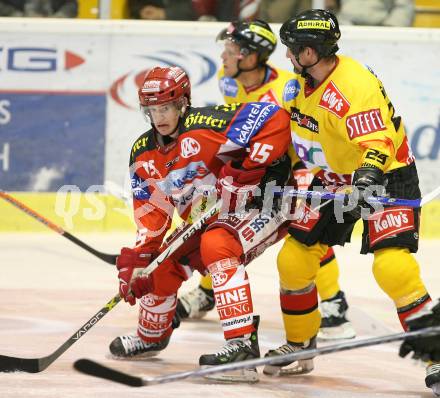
69, 113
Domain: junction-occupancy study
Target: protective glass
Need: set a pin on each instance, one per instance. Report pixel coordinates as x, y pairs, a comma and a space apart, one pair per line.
166, 111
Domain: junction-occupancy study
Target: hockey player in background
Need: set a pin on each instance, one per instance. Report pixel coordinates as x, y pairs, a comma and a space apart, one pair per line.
246, 76
345, 130
186, 152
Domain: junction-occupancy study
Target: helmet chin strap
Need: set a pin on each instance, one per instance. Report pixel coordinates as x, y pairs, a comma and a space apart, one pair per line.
304, 73
240, 70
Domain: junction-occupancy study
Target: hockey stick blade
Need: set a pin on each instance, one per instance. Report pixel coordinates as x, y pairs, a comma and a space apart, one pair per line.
108, 258
93, 368
35, 365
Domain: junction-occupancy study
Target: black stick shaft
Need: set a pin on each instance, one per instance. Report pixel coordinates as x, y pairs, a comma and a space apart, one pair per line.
305, 354
95, 369
35, 365
108, 258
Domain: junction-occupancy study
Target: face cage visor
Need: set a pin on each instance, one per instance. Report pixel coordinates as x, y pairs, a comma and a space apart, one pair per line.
224, 36
163, 108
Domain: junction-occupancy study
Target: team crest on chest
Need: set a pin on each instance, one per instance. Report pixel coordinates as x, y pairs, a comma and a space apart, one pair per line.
189, 147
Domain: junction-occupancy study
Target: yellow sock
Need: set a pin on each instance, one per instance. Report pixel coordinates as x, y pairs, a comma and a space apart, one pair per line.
297, 267
327, 280
398, 274
206, 282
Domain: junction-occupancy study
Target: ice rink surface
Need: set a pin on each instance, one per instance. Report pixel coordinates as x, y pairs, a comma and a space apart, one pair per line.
50, 287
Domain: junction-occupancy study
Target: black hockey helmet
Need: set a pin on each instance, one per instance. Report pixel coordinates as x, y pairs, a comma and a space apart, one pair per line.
316, 28
256, 36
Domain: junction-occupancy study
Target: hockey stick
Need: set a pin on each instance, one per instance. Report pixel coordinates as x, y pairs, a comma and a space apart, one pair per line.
108, 258
35, 365
372, 199
174, 241
430, 196
93, 368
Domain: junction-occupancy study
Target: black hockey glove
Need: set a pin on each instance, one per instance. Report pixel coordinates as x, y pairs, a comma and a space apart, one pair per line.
424, 348
367, 181
278, 174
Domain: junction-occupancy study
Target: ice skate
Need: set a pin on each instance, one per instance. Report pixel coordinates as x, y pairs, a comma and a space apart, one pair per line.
196, 303
131, 346
303, 366
334, 324
235, 350
432, 379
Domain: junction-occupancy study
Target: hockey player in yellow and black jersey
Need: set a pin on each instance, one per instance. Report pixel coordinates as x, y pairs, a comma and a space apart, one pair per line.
345, 130
246, 77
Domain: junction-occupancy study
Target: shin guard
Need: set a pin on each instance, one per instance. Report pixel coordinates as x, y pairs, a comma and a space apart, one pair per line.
232, 296
156, 316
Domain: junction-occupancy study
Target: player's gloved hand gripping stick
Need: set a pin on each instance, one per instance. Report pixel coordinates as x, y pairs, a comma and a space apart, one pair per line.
35, 365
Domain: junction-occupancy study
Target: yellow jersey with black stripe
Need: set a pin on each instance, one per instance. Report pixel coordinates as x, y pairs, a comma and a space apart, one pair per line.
345, 122
277, 82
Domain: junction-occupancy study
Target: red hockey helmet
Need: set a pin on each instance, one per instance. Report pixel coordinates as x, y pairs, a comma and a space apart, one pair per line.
162, 85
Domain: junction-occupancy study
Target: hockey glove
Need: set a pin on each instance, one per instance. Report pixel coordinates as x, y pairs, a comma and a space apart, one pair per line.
130, 264
278, 173
424, 348
367, 181
235, 184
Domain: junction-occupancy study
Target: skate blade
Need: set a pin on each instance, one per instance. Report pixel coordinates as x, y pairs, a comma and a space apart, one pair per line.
436, 389
296, 368
238, 376
342, 332
138, 357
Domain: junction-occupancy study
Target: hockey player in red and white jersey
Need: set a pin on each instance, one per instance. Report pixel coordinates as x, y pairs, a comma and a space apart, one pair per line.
247, 76
187, 151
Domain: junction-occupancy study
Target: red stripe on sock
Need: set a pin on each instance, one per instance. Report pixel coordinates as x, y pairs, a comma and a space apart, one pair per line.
330, 255
406, 314
299, 302
230, 334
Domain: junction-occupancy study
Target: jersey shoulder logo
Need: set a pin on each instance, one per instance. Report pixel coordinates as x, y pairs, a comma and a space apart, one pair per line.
209, 117
189, 147
364, 123
334, 101
249, 121
291, 90
142, 144
228, 87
